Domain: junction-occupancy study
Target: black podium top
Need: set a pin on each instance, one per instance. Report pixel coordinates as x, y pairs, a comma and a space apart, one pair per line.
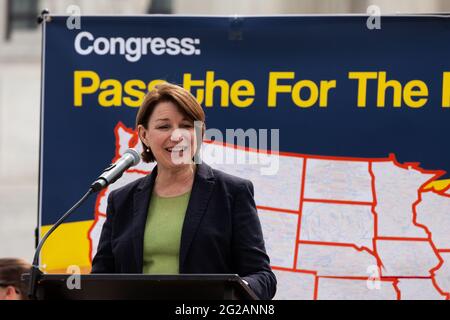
143, 287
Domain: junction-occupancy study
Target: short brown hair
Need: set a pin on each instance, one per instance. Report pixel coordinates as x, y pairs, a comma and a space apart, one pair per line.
11, 270
167, 92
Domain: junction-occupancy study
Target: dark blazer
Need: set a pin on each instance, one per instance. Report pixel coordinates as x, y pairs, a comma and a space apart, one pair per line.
221, 231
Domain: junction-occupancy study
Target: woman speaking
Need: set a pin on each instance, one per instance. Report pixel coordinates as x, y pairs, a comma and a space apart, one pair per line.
183, 218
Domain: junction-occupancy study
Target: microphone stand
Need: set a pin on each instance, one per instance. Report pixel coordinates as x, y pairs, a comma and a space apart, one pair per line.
36, 273
109, 176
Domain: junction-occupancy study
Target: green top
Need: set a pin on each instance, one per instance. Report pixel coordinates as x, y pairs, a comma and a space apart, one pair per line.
162, 235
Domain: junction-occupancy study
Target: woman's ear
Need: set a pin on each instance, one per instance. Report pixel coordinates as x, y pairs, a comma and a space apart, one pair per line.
142, 133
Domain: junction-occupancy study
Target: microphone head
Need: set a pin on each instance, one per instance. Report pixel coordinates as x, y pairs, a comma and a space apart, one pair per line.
135, 155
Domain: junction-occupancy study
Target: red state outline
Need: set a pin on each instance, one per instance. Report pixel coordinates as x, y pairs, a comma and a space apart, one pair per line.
356, 203
339, 244
344, 244
300, 206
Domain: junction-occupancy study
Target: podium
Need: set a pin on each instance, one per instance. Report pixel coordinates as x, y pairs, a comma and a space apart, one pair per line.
143, 287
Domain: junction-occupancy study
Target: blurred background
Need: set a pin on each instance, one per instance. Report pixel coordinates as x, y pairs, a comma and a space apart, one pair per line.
20, 54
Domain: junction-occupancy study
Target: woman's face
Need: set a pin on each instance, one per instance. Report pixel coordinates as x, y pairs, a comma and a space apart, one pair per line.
170, 136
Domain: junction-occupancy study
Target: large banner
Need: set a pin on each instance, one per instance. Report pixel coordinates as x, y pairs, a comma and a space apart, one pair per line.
343, 130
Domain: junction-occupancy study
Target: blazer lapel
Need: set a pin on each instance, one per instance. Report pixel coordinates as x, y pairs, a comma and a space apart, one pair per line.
200, 194
140, 205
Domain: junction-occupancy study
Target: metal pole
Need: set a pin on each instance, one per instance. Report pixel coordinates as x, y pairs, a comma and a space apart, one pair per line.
8, 29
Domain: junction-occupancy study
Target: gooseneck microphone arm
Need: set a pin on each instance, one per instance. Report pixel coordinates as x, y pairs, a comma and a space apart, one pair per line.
36, 273
109, 176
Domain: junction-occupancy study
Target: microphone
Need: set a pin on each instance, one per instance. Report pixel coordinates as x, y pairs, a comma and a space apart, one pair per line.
114, 171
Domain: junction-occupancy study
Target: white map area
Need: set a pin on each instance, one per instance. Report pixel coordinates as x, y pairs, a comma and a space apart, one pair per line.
347, 202
334, 260
280, 231
443, 274
418, 289
289, 175
407, 258
397, 190
294, 285
434, 212
338, 180
351, 289
338, 223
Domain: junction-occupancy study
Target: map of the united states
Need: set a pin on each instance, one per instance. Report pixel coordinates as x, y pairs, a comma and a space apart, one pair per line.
336, 228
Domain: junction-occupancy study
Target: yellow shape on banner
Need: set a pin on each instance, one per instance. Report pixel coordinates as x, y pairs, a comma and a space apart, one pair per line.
438, 185
67, 246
